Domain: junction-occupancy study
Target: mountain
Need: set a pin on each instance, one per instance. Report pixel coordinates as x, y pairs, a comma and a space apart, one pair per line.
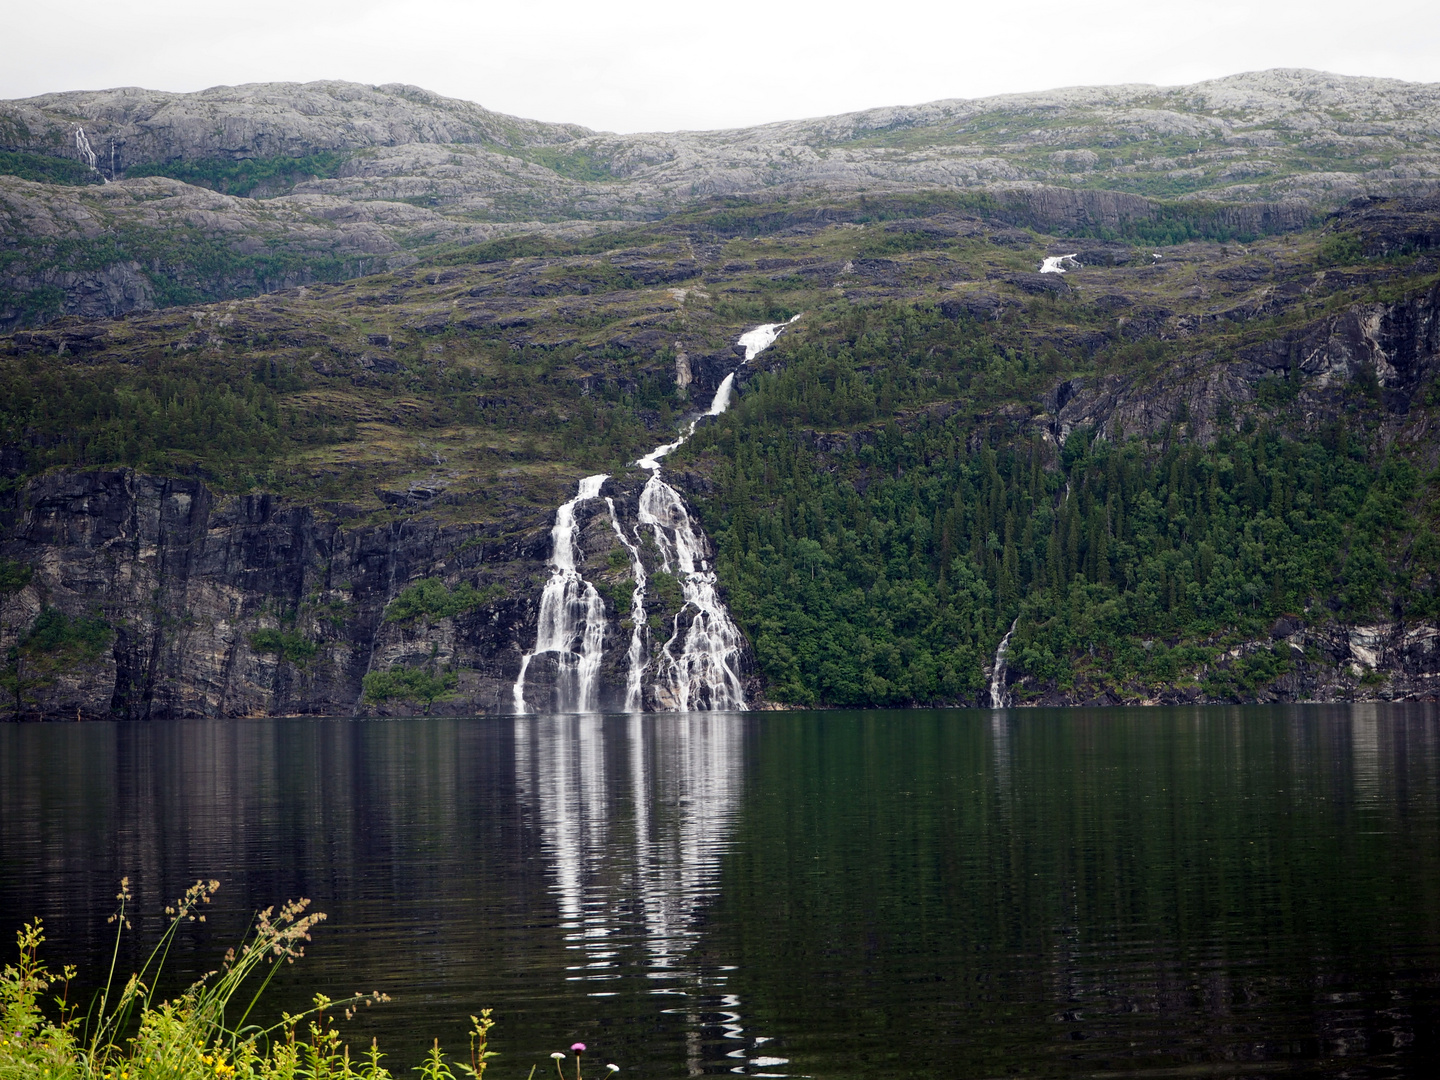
1194, 459
284, 184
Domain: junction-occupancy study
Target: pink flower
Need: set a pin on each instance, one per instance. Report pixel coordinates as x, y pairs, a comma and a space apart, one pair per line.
579, 1048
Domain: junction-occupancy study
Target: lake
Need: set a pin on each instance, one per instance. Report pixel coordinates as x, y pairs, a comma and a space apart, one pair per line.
1042, 893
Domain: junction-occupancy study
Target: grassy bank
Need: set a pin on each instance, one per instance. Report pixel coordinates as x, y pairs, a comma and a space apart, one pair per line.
207, 1032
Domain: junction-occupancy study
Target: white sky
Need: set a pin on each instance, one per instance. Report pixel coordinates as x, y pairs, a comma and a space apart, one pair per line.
646, 65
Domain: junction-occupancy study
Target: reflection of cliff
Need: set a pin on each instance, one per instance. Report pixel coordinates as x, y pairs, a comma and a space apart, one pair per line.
635, 814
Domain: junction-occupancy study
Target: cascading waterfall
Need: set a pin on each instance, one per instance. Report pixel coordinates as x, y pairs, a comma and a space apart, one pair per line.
705, 674
699, 665
82, 143
635, 657
572, 617
999, 697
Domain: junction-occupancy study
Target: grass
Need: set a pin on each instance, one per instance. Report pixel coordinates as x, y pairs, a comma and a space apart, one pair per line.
205, 1033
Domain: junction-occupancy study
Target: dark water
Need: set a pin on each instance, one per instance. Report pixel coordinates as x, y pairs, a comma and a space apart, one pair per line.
1142, 892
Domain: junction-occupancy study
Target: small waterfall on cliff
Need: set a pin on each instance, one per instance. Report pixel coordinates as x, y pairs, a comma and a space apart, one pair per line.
572, 617
999, 698
83, 145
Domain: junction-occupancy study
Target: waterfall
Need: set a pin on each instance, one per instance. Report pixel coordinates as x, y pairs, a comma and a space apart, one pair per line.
635, 657
83, 145
705, 673
699, 665
756, 341
721, 401
999, 699
572, 617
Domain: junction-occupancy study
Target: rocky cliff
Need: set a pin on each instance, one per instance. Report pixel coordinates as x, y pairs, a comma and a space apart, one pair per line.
252, 506
191, 581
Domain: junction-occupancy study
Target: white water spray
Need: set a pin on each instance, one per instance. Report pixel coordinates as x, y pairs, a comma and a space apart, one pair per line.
705, 671
636, 662
721, 401
1055, 264
756, 341
705, 674
999, 697
572, 617
83, 145
699, 666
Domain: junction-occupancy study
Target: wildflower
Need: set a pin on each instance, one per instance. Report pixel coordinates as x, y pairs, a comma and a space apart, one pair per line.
557, 1055
611, 1069
579, 1048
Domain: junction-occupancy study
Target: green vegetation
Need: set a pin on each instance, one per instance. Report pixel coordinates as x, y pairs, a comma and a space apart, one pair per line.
276, 174
205, 1032
243, 405
33, 305
14, 576
184, 264
45, 169
886, 493
1177, 223
885, 574
572, 164
54, 644
431, 598
1341, 249
529, 245
409, 684
165, 414
286, 644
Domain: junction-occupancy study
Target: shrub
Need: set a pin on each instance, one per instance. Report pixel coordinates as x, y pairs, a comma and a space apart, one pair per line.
431, 597
293, 647
409, 684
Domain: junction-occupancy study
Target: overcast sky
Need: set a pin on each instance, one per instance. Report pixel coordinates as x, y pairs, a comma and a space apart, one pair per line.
645, 65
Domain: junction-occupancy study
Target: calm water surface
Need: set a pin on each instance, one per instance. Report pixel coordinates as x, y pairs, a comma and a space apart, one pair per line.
1142, 892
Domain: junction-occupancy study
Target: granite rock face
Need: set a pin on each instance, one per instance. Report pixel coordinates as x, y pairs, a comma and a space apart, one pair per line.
200, 243
1396, 344
261, 120
412, 168
1239, 138
187, 579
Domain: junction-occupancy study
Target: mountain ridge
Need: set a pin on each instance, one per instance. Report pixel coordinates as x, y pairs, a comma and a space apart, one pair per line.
382, 175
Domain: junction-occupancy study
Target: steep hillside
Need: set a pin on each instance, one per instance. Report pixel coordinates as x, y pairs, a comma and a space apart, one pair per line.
355, 178
1196, 470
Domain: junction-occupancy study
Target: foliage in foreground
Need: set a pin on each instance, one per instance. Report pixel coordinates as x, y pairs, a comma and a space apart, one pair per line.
205, 1033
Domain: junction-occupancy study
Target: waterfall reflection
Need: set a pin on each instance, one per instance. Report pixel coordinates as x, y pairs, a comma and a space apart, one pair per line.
635, 814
